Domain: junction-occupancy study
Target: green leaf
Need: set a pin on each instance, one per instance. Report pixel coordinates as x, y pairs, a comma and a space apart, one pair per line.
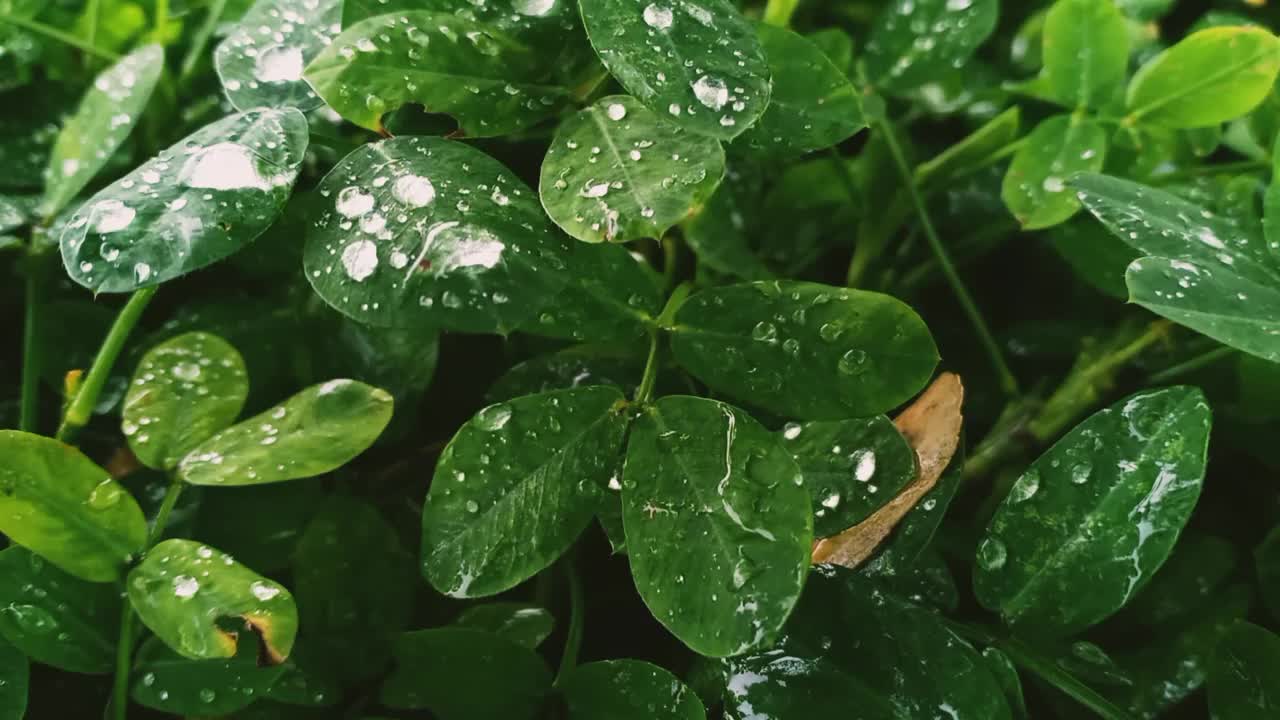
628, 690
516, 486
850, 644
1267, 565
259, 525
14, 670
57, 619
192, 205
1086, 52
720, 232
718, 524
617, 171
610, 296
1102, 507
446, 235
106, 116
469, 69
183, 590
58, 503
813, 106
1208, 273
850, 467
1097, 257
462, 674
168, 682
1003, 670
184, 391
1198, 567
1271, 207
317, 430
1035, 188
698, 62
1244, 678
973, 151
805, 350
260, 63
524, 624
912, 42
1209, 77
577, 366
907, 547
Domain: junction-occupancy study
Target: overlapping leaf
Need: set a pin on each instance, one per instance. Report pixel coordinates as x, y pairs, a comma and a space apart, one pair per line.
1035, 188
628, 690
261, 62
914, 41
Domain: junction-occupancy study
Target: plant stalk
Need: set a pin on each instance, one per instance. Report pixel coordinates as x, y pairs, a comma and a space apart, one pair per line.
56, 34
650, 378
1196, 363
29, 414
573, 642
779, 12
80, 410
200, 40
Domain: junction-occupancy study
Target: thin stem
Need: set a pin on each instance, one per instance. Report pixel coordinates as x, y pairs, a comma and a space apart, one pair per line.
573, 642
29, 417
1007, 381
56, 34
650, 378
1196, 363
1047, 670
81, 407
93, 12
200, 40
1221, 169
779, 12
162, 19
162, 515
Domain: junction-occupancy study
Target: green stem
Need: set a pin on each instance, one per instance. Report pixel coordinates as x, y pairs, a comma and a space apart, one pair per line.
81, 407
162, 515
200, 40
162, 19
56, 34
577, 618
1007, 381
650, 378
29, 417
92, 11
1221, 169
779, 12
1196, 363
1047, 670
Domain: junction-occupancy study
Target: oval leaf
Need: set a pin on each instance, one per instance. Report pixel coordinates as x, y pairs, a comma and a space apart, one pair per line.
58, 503
196, 203
1102, 508
1086, 52
524, 624
616, 171
170, 683
14, 672
320, 429
184, 390
261, 62
106, 116
697, 62
718, 524
1035, 188
1244, 678
628, 690
805, 350
516, 486
913, 42
182, 589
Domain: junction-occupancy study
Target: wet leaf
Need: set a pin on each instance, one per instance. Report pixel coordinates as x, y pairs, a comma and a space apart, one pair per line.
931, 426
1267, 566
427, 230
524, 624
628, 690
1209, 77
184, 391
912, 42
617, 171
610, 296
1003, 670
1086, 52
183, 591
56, 502
516, 486
573, 367
14, 670
1198, 567
317, 430
1097, 256
168, 682
1035, 188
1103, 507
106, 116
720, 233
194, 204
804, 350
1244, 677
57, 619
260, 63
697, 62
972, 151
718, 524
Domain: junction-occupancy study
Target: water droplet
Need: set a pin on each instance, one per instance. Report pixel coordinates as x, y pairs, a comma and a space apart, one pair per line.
864, 465
1080, 474
711, 92
185, 586
852, 362
765, 331
105, 494
263, 591
1026, 487
992, 554
657, 17
494, 417
413, 190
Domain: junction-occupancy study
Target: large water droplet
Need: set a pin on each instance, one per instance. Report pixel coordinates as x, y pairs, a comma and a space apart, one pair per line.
992, 554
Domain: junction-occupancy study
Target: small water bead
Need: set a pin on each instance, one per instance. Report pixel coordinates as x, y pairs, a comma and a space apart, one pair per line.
105, 494
149, 679
207, 695
186, 371
616, 111
185, 586
792, 430
864, 465
472, 506
711, 92
534, 8
111, 216
992, 554
413, 190
791, 346
360, 259
263, 591
765, 331
1080, 473
657, 17
595, 190
354, 202
1026, 487
1054, 184
830, 332
494, 417
852, 362
279, 63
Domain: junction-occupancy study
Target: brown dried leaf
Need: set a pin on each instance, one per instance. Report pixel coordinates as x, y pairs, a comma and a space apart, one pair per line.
931, 426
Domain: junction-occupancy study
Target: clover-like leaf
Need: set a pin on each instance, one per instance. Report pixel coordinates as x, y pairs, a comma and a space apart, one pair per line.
1086, 52
57, 619
14, 676
184, 390
805, 350
609, 296
106, 116
261, 62
628, 690
1103, 506
516, 486
1244, 678
698, 61
59, 504
718, 524
720, 232
1035, 188
195, 203
427, 229
576, 366
1208, 78
617, 171
317, 430
813, 106
183, 591
171, 683
914, 41
524, 624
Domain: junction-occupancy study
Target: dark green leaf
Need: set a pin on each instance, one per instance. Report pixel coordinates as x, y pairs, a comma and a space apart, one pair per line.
1103, 507
720, 232
1244, 678
183, 590
13, 682
617, 171
628, 690
914, 41
59, 504
184, 391
1035, 188
805, 350
1267, 564
973, 151
698, 62
577, 366
1098, 257
166, 681
516, 486
1199, 565
610, 296
258, 524
718, 524
913, 535
1002, 669
524, 624
201, 200
260, 63
317, 430
1086, 52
